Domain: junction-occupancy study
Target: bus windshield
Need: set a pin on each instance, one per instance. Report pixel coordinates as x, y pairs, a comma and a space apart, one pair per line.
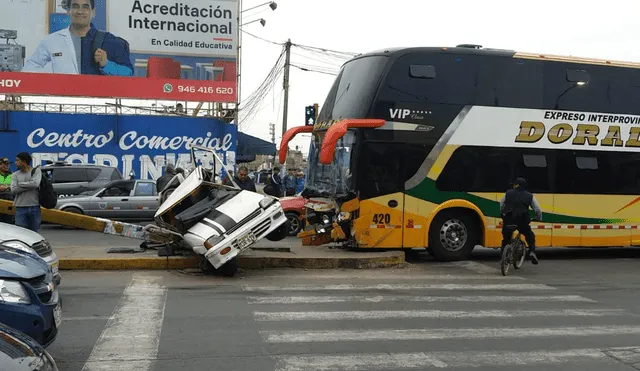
334, 179
350, 97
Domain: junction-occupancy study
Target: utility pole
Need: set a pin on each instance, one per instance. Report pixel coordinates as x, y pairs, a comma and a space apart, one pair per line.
285, 85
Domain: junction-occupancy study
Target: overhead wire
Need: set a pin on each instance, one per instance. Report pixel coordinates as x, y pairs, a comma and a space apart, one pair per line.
313, 70
253, 102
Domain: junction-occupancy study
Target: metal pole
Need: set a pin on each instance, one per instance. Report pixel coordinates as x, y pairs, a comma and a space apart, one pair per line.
239, 64
285, 85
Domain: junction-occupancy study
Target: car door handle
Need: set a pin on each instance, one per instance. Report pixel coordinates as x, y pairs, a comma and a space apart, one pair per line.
125, 199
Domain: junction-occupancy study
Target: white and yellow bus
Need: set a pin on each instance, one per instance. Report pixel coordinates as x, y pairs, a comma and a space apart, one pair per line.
415, 147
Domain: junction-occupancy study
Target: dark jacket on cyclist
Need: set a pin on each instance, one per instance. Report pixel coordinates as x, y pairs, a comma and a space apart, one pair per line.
514, 209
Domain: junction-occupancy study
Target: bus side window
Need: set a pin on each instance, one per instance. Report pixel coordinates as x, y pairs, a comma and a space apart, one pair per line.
584, 172
459, 174
533, 167
626, 172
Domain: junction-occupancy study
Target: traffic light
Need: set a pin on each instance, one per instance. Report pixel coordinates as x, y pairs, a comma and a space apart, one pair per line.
311, 115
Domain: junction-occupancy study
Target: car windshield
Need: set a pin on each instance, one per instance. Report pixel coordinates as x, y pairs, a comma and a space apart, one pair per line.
333, 179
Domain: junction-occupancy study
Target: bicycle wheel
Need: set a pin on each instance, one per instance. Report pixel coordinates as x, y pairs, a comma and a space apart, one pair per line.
507, 255
519, 255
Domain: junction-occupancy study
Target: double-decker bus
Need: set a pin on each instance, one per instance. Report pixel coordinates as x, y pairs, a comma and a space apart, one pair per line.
415, 147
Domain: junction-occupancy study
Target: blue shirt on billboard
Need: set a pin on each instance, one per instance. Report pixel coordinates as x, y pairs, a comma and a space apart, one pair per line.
60, 50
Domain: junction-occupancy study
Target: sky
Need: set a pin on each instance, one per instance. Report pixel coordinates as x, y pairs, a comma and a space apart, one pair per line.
587, 28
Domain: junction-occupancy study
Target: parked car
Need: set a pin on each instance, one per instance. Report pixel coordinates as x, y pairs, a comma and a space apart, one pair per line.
74, 179
29, 300
31, 242
19, 352
120, 200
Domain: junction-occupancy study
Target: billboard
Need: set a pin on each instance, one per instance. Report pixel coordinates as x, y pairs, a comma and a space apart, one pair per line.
143, 144
140, 49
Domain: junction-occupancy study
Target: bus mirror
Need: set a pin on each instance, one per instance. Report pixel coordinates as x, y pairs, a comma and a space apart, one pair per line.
338, 130
579, 77
286, 138
422, 71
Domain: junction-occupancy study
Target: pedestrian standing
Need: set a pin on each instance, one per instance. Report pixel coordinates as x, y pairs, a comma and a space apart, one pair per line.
24, 187
5, 188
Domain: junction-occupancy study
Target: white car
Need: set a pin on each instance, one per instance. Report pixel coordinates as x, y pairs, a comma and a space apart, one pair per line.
31, 242
218, 222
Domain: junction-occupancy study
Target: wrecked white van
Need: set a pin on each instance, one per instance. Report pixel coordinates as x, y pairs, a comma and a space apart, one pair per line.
218, 221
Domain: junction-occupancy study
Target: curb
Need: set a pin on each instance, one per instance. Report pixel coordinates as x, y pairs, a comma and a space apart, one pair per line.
394, 259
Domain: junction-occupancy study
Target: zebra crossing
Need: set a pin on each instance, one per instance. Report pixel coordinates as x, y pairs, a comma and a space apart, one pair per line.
468, 321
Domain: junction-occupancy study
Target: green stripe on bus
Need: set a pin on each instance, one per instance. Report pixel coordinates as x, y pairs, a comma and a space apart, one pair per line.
427, 191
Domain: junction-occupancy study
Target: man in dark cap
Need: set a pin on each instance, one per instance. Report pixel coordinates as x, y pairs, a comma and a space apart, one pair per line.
24, 186
514, 208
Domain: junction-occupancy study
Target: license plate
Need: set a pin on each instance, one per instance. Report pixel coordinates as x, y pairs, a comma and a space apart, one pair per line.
55, 268
57, 315
246, 240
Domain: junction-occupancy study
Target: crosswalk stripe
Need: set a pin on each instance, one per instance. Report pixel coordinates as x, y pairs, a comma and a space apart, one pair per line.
438, 314
132, 336
443, 333
342, 287
426, 277
405, 298
435, 359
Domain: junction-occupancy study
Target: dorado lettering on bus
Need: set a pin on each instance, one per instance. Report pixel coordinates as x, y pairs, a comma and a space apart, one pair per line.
582, 134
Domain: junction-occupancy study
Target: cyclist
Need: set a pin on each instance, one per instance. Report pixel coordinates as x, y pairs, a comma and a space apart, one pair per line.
514, 209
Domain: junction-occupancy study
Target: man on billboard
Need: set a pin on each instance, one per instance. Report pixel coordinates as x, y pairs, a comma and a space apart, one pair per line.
81, 48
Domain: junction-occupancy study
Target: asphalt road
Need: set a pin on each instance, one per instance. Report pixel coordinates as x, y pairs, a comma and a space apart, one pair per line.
564, 314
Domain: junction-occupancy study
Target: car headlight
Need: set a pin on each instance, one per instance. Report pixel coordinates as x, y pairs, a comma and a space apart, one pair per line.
212, 241
325, 219
20, 246
266, 202
13, 292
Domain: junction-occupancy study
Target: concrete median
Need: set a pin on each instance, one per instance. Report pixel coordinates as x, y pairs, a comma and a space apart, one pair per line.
84, 258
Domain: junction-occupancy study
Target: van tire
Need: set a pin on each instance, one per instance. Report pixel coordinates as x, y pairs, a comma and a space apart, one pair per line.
279, 233
229, 269
453, 235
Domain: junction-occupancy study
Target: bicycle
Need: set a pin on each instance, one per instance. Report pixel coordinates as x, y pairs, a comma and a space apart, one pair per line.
513, 254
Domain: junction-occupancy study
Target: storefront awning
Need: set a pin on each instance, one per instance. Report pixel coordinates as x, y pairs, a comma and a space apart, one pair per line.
249, 147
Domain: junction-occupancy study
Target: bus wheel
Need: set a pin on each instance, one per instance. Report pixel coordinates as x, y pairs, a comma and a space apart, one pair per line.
453, 235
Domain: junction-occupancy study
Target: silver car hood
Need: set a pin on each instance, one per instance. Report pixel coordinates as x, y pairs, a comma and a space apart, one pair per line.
9, 232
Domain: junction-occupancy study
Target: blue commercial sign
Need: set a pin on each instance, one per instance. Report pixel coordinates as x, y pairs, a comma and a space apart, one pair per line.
144, 144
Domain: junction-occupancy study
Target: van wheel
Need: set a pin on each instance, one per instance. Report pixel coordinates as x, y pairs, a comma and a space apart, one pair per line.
279, 233
229, 269
453, 235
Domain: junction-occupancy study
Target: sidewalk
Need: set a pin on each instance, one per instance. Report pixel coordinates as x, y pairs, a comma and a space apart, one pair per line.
95, 257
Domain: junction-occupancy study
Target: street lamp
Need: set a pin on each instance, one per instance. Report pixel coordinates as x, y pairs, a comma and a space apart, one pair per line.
272, 5
261, 20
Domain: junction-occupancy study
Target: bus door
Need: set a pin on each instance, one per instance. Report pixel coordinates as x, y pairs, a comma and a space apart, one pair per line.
382, 199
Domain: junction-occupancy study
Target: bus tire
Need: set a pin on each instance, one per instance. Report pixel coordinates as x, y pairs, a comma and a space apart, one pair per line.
453, 235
